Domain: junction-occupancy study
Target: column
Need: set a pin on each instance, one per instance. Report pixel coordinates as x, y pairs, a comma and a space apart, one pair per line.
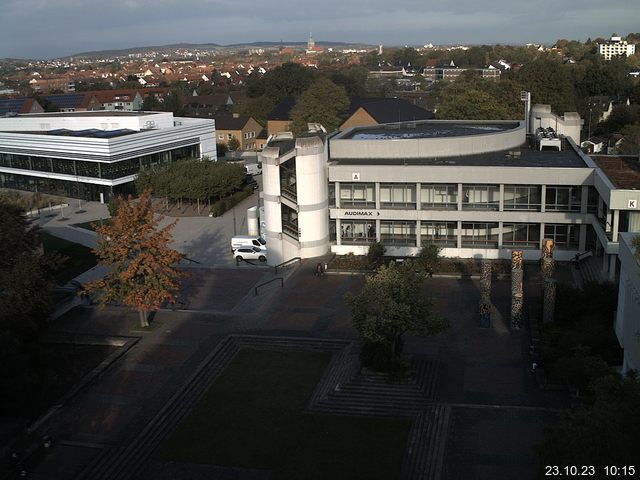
517, 295
584, 199
612, 267
418, 203
543, 198
377, 230
459, 232
418, 234
338, 231
500, 234
337, 194
459, 196
616, 224
501, 202
582, 239
377, 194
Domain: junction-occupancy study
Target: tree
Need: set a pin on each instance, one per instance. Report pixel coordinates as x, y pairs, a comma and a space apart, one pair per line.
221, 149
25, 303
287, 80
233, 144
375, 254
429, 257
601, 433
324, 102
391, 304
142, 272
631, 141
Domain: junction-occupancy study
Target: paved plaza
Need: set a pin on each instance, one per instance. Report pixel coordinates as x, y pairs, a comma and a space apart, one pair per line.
483, 379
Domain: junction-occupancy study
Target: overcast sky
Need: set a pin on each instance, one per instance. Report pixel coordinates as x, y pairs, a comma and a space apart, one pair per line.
55, 28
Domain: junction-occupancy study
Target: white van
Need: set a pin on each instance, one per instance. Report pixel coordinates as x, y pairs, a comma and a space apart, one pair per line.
253, 168
240, 241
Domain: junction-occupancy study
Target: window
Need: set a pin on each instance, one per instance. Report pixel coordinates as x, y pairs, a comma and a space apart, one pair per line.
332, 194
290, 222
357, 195
439, 233
522, 197
565, 237
439, 197
480, 197
398, 195
521, 235
563, 199
357, 232
483, 235
398, 233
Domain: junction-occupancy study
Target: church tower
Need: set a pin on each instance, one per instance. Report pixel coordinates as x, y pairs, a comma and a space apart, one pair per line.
310, 43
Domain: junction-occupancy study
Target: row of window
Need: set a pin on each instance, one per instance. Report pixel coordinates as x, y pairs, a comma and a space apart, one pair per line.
445, 234
83, 168
474, 197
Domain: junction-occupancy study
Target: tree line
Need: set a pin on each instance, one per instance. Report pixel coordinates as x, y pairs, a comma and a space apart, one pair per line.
193, 180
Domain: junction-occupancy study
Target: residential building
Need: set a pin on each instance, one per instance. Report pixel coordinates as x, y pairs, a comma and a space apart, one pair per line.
478, 189
73, 102
616, 47
94, 155
278, 119
119, 100
14, 106
375, 111
206, 106
244, 129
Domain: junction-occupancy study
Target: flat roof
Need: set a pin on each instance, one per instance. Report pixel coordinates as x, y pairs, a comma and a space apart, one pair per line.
567, 158
622, 171
427, 129
90, 113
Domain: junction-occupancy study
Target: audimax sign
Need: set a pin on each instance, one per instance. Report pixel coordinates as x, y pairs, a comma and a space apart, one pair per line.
361, 213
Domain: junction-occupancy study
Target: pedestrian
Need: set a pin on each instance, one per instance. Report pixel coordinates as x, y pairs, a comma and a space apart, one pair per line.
319, 271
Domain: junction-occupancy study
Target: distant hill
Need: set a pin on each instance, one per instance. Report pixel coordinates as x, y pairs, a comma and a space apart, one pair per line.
203, 46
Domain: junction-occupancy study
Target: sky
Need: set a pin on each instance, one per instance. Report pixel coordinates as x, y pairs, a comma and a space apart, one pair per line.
56, 28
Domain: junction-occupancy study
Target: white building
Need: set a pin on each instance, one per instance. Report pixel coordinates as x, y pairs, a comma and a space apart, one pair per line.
478, 189
616, 47
93, 155
627, 325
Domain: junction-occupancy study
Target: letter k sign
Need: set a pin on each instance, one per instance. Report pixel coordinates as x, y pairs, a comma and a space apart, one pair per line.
632, 204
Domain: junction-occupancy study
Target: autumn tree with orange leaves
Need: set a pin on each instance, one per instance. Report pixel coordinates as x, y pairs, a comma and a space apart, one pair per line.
142, 272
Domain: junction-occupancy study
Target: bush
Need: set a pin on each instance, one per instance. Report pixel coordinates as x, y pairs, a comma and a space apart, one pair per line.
376, 254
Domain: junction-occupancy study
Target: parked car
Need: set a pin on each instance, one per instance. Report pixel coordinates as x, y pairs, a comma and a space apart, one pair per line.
250, 253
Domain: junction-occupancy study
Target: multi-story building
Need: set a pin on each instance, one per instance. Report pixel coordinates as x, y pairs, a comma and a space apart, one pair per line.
478, 189
616, 47
93, 155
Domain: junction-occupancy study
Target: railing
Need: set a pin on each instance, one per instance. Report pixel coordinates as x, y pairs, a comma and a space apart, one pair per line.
255, 290
287, 263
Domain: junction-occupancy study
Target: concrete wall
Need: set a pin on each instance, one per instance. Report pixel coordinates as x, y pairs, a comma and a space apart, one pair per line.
342, 147
627, 324
312, 193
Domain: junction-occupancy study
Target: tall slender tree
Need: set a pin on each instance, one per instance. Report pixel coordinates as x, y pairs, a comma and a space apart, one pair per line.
142, 268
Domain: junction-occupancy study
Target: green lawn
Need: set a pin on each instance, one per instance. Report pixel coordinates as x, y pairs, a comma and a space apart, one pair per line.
78, 258
252, 417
